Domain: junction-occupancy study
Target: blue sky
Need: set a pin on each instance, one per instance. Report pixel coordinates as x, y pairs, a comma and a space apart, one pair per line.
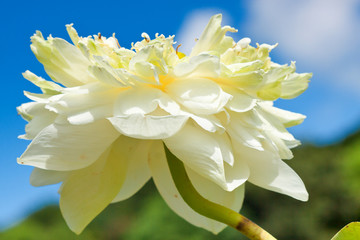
322, 36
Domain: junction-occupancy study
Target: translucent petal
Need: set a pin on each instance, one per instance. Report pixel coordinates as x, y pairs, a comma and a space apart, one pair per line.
40, 177
294, 85
86, 192
138, 171
273, 80
38, 123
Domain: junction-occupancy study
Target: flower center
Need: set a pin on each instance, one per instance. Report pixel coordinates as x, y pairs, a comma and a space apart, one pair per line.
164, 80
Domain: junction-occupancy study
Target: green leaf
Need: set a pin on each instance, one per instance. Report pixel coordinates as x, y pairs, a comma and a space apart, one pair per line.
349, 232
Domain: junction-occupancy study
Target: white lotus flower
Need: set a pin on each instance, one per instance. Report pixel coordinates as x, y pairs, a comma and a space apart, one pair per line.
100, 130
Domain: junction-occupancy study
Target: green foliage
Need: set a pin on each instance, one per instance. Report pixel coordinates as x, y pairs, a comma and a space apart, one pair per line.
331, 174
349, 232
350, 166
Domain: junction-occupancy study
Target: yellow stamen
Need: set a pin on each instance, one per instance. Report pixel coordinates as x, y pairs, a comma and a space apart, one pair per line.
177, 48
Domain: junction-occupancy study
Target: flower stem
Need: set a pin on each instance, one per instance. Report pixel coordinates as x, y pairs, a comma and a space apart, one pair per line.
209, 209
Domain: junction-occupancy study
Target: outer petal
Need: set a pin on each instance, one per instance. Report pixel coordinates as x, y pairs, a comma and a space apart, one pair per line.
294, 85
38, 123
242, 67
287, 118
63, 62
38, 118
273, 80
40, 177
201, 96
30, 109
205, 153
86, 192
138, 171
280, 138
46, 86
270, 172
272, 130
65, 147
247, 80
86, 104
165, 185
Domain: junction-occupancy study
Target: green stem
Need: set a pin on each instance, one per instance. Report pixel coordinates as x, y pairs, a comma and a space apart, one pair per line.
209, 209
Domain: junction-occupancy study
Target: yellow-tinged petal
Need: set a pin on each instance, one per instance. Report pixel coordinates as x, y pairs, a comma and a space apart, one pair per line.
62, 61
40, 177
86, 192
49, 88
294, 85
72, 33
213, 38
138, 169
149, 62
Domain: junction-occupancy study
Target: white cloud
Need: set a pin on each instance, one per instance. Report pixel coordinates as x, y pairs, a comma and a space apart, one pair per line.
321, 34
194, 25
